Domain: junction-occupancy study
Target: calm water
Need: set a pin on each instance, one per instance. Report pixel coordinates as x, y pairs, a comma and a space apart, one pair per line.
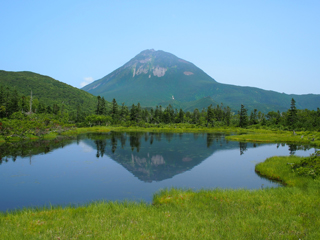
118, 166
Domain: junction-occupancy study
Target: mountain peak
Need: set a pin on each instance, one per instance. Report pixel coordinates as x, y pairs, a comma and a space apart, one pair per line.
151, 77
147, 51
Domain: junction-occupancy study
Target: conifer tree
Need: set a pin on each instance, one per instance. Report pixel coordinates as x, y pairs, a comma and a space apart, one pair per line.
114, 112
228, 115
133, 113
98, 109
157, 115
123, 112
103, 109
210, 115
195, 116
181, 116
253, 117
243, 121
138, 113
160, 114
292, 113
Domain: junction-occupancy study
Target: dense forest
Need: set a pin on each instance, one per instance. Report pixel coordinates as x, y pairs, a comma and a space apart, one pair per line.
212, 116
45, 90
21, 115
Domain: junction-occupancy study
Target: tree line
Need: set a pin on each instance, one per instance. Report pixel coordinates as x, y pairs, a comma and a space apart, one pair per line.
212, 116
15, 106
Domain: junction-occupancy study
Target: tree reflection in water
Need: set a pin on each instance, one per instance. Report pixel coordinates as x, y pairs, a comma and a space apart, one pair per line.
243, 147
149, 156
158, 156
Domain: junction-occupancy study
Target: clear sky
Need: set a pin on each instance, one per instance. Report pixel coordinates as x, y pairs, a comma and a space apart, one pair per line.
274, 44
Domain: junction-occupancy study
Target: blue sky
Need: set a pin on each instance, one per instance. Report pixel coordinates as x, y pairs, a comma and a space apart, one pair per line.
274, 45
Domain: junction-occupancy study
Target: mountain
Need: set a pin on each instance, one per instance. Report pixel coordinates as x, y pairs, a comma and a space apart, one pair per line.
158, 156
48, 90
160, 78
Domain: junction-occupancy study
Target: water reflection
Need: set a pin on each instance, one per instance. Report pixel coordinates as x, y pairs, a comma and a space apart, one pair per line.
243, 147
185, 150
12, 150
158, 156
118, 166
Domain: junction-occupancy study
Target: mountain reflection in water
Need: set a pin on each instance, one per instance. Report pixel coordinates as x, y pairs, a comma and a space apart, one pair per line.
133, 166
158, 156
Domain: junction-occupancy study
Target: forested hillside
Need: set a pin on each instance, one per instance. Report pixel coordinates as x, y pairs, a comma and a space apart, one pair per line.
48, 91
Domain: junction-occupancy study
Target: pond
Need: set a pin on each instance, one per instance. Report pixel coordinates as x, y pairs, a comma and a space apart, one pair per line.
117, 166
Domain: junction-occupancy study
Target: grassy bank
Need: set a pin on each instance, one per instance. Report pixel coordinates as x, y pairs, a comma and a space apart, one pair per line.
243, 134
276, 213
312, 138
175, 128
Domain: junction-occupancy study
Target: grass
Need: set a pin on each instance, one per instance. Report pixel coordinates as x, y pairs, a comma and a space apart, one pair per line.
274, 168
175, 128
76, 131
271, 213
305, 137
251, 134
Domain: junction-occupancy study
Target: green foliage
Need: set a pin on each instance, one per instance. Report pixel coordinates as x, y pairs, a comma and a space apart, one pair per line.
292, 114
23, 126
115, 111
101, 106
309, 166
46, 90
243, 122
94, 120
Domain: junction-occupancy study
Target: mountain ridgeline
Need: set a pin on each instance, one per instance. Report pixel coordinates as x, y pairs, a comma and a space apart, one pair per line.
159, 78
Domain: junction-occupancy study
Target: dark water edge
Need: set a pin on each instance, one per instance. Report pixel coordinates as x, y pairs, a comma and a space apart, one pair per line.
117, 166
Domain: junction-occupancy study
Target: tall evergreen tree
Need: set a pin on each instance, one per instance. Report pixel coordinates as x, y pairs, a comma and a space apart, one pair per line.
181, 116
114, 111
292, 113
151, 115
210, 115
228, 115
103, 108
253, 117
138, 113
243, 121
157, 115
195, 116
98, 109
123, 112
133, 113
160, 114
